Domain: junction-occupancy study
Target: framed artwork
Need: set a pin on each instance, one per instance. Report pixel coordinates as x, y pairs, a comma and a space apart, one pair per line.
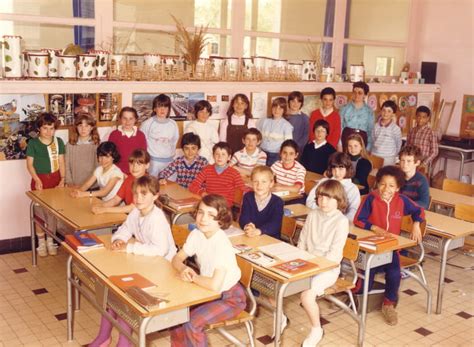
108, 105
467, 117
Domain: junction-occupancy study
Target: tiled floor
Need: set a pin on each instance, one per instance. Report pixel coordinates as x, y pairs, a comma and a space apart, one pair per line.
33, 306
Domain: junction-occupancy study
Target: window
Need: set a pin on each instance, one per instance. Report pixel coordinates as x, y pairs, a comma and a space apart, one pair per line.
49, 8
378, 61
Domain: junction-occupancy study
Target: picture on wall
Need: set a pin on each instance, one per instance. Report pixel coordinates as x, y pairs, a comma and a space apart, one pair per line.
109, 105
220, 104
62, 106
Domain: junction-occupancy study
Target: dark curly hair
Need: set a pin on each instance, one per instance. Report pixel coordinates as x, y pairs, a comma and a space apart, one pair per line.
108, 148
391, 170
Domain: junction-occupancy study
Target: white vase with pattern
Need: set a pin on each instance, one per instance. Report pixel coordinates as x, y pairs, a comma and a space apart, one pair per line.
86, 66
38, 64
53, 61
102, 62
12, 56
67, 66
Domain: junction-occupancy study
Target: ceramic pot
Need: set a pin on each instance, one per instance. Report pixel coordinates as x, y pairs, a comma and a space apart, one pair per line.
309, 71
24, 63
102, 62
37, 64
118, 65
357, 73
86, 66
329, 72
53, 61
12, 56
152, 60
67, 66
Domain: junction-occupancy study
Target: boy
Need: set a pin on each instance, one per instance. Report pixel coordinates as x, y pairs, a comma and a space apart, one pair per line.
329, 114
316, 153
219, 178
387, 135
138, 164
251, 155
262, 212
423, 136
298, 119
189, 165
416, 185
381, 212
45, 163
289, 173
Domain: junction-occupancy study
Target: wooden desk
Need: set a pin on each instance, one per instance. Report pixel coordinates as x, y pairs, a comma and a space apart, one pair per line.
449, 199
298, 210
74, 212
462, 154
289, 197
88, 273
449, 233
175, 191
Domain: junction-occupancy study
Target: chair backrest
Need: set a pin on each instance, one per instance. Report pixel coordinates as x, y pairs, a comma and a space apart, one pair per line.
443, 117
308, 185
407, 225
464, 212
455, 186
246, 270
371, 181
351, 249
288, 228
180, 234
377, 162
238, 197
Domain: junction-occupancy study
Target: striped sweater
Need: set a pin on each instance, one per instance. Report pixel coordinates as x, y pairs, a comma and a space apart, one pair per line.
225, 183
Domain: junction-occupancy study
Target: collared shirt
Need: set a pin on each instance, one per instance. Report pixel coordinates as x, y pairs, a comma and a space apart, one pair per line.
263, 203
128, 133
316, 146
425, 139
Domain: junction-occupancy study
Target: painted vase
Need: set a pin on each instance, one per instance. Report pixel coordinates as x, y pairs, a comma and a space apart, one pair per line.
86, 66
53, 61
152, 60
37, 64
24, 63
12, 56
102, 62
329, 73
67, 66
118, 65
309, 71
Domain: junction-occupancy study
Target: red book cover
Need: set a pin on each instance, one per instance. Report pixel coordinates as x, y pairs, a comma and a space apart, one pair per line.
72, 241
294, 267
127, 281
378, 241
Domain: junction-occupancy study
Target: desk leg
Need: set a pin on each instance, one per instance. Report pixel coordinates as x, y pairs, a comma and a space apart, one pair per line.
142, 332
174, 218
365, 295
33, 234
442, 272
279, 312
70, 308
461, 169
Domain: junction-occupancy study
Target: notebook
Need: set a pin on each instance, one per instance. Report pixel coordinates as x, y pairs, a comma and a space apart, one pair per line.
72, 241
127, 281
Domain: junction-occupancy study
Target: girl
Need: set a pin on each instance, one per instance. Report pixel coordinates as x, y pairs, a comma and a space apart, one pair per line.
330, 114
218, 271
81, 158
340, 169
324, 234
239, 119
275, 130
361, 166
161, 134
127, 137
45, 164
289, 173
298, 119
206, 132
108, 176
316, 153
153, 237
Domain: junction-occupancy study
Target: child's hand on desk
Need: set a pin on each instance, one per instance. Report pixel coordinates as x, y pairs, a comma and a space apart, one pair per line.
76, 193
251, 231
118, 245
163, 181
97, 209
188, 274
379, 231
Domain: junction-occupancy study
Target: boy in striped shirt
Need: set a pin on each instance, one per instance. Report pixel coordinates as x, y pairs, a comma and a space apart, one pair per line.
251, 155
386, 135
289, 173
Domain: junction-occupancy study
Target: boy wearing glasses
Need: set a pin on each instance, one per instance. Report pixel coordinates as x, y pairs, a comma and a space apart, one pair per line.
316, 153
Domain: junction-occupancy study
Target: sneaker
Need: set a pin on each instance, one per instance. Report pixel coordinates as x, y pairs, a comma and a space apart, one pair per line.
52, 248
41, 250
404, 274
313, 338
389, 314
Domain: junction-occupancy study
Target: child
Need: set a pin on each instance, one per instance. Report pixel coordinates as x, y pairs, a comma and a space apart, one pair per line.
81, 159
324, 234
299, 120
45, 164
357, 116
262, 212
329, 114
218, 271
251, 155
423, 136
289, 173
189, 165
138, 164
387, 135
152, 233
416, 185
219, 178
275, 130
340, 169
381, 212
207, 133
127, 137
239, 119
316, 153
361, 165
161, 134
107, 175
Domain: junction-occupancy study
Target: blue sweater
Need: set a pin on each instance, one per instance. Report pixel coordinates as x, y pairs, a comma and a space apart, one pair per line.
418, 190
268, 220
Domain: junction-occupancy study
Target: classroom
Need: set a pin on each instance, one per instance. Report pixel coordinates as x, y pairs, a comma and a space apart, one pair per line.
236, 173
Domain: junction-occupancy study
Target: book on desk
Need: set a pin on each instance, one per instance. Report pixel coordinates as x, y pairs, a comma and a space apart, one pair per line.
378, 242
84, 242
294, 267
179, 204
127, 281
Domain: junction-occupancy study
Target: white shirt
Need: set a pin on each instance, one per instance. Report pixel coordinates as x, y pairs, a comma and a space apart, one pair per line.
152, 234
236, 120
208, 135
104, 178
212, 254
316, 146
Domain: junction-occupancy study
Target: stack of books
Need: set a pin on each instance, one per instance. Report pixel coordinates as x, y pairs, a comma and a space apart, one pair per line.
378, 242
83, 242
180, 204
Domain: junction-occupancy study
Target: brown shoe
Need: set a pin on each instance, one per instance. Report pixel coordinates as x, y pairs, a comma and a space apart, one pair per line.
389, 314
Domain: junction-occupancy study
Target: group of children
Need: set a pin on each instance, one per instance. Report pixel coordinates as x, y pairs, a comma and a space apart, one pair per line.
129, 168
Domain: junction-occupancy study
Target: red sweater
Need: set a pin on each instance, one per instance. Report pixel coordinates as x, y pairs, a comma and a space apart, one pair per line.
126, 145
225, 184
334, 120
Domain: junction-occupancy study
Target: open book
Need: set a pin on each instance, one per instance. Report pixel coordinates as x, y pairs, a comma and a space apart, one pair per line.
259, 258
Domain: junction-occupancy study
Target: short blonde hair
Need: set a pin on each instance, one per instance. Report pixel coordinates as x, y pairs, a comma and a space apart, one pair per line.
262, 169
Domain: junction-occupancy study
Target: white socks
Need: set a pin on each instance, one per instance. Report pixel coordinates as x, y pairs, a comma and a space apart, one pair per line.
314, 337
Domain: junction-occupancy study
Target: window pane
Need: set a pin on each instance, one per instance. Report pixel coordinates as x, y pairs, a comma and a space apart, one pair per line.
36, 36
379, 20
298, 17
50, 8
378, 61
190, 12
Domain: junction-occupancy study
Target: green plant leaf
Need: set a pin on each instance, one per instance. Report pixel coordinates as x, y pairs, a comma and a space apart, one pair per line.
89, 74
8, 58
81, 73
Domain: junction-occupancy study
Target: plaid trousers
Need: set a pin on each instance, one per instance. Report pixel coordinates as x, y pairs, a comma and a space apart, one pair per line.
192, 334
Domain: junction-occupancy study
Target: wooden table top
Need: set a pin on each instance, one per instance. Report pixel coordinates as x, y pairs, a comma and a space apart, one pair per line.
289, 197
443, 197
175, 191
76, 212
448, 227
403, 242
298, 210
158, 270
